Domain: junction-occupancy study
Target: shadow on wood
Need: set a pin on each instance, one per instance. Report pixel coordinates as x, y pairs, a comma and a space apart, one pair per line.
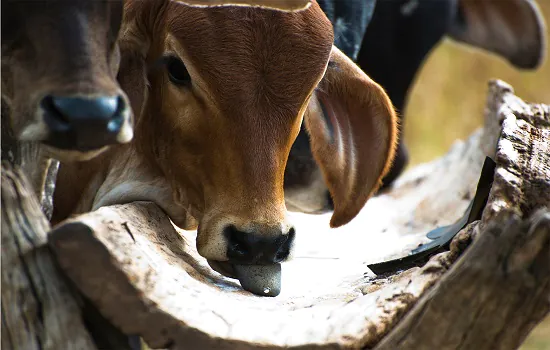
147, 278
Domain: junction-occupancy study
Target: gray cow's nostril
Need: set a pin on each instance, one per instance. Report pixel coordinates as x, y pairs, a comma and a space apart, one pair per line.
83, 123
257, 247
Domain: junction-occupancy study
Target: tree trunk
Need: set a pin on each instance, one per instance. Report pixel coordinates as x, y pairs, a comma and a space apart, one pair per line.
38, 309
29, 156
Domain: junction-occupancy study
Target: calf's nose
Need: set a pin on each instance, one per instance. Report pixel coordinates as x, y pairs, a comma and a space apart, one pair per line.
262, 246
83, 123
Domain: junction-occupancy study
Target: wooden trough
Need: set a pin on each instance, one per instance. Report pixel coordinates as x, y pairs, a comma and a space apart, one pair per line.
146, 278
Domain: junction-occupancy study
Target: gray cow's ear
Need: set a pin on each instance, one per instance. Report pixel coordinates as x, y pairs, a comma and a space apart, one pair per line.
353, 132
284, 5
514, 29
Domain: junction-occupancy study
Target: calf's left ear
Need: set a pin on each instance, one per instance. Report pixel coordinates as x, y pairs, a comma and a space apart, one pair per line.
284, 5
514, 29
353, 132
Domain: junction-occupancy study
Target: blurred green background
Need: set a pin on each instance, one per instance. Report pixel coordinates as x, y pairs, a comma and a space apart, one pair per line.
447, 104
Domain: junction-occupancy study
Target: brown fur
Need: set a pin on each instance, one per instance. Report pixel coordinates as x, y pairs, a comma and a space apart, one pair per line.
216, 150
364, 136
58, 48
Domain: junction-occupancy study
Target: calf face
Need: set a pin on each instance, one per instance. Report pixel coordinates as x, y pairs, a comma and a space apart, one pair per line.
220, 95
59, 66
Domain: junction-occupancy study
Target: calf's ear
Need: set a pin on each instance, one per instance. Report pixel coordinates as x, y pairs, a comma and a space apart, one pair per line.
352, 127
514, 29
284, 5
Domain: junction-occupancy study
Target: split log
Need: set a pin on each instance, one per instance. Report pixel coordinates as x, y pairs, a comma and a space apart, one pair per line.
147, 278
38, 310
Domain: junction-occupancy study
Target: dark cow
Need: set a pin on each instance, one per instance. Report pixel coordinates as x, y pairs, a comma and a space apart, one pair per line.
60, 97
396, 42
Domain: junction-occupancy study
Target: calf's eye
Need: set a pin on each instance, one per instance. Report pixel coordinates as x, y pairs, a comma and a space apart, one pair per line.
177, 73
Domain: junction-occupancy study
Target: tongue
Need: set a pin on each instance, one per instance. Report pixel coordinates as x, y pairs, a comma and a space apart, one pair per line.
264, 280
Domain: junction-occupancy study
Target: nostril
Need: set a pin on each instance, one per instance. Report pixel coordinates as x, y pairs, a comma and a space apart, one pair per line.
53, 116
258, 247
237, 241
281, 255
284, 250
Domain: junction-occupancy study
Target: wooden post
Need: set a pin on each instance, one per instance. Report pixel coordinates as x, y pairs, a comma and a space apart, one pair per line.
38, 309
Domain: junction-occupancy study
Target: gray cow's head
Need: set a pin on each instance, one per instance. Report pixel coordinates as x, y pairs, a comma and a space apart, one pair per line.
59, 65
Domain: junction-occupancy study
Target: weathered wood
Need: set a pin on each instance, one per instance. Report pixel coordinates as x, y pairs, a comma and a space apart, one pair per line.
504, 279
39, 169
147, 278
160, 288
49, 188
38, 310
491, 298
522, 182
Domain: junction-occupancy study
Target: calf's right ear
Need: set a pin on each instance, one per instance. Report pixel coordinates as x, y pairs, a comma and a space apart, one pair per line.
352, 127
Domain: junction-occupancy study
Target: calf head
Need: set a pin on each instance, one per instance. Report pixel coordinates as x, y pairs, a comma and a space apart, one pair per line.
59, 65
221, 94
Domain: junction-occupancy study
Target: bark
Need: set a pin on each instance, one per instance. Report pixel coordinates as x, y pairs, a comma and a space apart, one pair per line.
38, 309
146, 277
39, 169
491, 298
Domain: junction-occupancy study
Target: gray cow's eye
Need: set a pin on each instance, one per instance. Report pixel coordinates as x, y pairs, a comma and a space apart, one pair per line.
177, 72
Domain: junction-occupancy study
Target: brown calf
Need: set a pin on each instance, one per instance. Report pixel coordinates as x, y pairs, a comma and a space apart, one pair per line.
220, 95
